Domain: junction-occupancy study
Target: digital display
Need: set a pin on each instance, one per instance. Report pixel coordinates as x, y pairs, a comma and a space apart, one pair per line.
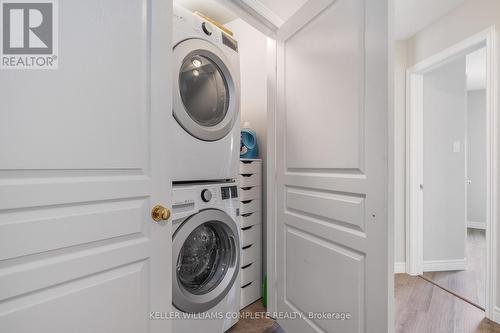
228, 192
234, 192
225, 192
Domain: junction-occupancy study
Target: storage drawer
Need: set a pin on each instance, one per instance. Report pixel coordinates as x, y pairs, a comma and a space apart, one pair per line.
248, 167
250, 235
250, 272
250, 193
249, 219
250, 180
249, 293
249, 206
250, 254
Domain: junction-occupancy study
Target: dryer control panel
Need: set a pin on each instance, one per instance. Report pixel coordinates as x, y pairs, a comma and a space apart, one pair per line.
191, 25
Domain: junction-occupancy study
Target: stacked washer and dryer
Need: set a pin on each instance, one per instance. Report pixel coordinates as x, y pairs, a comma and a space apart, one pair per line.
206, 134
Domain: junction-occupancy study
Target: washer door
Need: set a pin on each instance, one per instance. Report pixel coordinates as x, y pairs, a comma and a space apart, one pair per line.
206, 257
206, 101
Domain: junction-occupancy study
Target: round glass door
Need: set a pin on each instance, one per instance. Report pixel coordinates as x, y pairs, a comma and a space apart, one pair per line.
203, 90
206, 258
206, 95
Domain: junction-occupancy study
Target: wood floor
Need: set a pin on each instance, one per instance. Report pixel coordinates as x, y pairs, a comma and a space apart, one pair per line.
253, 324
422, 307
469, 283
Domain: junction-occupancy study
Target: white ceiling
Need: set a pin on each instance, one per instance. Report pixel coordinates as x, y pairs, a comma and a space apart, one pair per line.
411, 16
476, 69
210, 8
414, 15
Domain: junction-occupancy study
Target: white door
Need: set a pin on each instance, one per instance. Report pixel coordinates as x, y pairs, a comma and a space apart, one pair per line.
332, 166
83, 159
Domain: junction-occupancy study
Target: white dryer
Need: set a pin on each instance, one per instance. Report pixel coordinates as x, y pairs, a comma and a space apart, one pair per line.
205, 257
206, 100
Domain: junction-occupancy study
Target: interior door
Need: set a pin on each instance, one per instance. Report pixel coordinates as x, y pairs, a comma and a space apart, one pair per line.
83, 159
332, 166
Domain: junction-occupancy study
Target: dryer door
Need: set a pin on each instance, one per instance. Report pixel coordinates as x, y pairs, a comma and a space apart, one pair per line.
206, 92
206, 257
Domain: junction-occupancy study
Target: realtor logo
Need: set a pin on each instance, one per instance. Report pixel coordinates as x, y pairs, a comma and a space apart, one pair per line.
29, 34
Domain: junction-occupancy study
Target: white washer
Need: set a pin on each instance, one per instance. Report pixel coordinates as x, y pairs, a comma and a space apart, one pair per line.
206, 100
206, 257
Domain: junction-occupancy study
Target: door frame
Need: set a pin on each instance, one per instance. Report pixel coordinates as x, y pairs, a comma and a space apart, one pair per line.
414, 158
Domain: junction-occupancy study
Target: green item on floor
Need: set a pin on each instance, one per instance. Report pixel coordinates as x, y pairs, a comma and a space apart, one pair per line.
264, 291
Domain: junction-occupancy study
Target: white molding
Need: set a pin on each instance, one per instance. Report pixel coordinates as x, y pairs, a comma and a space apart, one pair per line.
476, 225
445, 265
414, 173
399, 267
450, 53
492, 180
496, 314
271, 219
414, 206
250, 15
307, 13
264, 11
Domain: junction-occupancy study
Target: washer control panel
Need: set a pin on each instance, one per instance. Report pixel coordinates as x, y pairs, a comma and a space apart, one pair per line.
229, 192
189, 199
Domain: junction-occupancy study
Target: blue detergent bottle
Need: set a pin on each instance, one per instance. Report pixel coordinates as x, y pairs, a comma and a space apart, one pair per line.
248, 146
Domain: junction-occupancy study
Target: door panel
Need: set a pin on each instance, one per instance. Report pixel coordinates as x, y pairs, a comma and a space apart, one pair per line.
309, 274
89, 303
96, 99
84, 158
321, 74
69, 226
332, 228
347, 210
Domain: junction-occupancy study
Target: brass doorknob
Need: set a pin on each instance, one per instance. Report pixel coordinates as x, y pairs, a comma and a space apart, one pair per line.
159, 213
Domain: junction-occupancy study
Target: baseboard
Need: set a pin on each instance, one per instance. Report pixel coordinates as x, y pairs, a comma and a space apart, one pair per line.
399, 267
476, 225
445, 265
496, 315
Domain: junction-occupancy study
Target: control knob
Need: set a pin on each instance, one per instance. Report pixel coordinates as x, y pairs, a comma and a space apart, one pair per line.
207, 28
206, 195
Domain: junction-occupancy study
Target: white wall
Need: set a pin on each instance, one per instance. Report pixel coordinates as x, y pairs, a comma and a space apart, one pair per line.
444, 126
252, 46
399, 150
476, 168
468, 19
